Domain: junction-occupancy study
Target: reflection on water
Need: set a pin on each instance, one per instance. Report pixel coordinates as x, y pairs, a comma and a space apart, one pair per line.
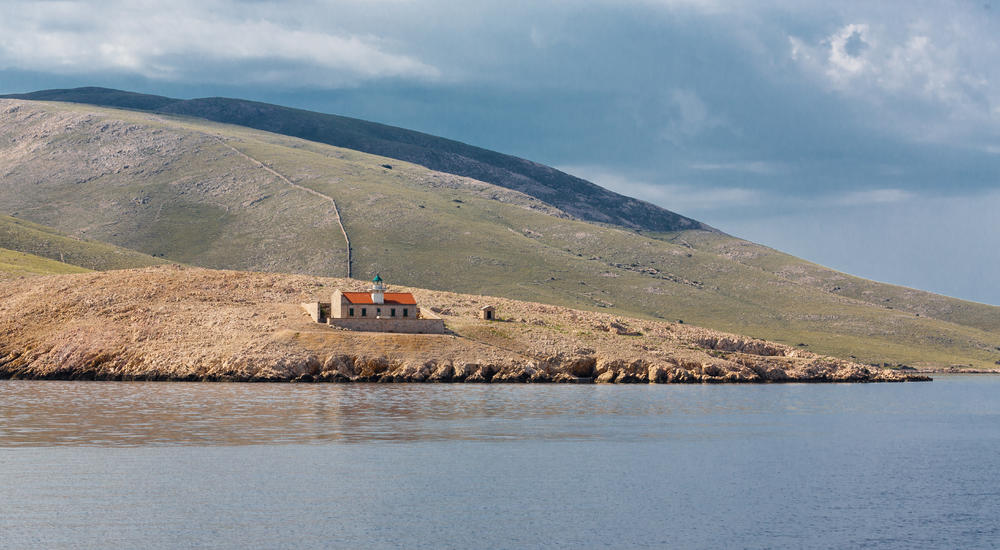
46, 413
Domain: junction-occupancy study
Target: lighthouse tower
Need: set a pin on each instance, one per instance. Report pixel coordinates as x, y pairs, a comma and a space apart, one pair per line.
377, 290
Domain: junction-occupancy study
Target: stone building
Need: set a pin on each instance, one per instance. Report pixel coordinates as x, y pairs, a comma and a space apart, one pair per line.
375, 310
374, 304
488, 313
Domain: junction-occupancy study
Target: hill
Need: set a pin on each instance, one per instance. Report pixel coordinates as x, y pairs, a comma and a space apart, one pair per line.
173, 323
569, 193
224, 196
19, 264
39, 240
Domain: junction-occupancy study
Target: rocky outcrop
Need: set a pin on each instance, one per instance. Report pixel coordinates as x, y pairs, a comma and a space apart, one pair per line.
744, 345
122, 366
57, 364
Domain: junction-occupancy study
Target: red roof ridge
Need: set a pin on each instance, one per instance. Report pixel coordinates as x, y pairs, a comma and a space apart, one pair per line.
391, 298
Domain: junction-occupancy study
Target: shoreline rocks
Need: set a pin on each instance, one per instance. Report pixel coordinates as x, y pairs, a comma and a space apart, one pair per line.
347, 369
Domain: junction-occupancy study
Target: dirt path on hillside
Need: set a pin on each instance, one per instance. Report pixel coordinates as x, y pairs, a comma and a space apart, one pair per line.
275, 173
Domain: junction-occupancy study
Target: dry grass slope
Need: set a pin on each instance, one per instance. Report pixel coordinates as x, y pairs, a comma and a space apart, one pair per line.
15, 264
176, 323
38, 240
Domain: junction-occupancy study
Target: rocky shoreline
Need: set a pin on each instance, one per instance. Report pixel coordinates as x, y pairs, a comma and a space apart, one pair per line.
345, 369
187, 324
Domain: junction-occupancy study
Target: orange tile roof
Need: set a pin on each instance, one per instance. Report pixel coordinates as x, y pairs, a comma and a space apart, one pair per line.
391, 298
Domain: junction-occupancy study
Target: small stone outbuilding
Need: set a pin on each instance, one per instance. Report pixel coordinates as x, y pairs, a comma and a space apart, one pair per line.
488, 312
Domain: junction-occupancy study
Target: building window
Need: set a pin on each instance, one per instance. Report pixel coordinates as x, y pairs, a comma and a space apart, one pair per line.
378, 312
364, 312
392, 312
405, 312
350, 312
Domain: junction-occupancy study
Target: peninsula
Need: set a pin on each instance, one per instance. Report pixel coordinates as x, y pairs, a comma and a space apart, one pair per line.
193, 324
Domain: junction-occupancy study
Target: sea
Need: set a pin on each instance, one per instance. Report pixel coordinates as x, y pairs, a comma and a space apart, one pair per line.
151, 465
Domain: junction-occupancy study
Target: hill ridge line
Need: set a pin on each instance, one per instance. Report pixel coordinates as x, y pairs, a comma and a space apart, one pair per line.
336, 210
573, 195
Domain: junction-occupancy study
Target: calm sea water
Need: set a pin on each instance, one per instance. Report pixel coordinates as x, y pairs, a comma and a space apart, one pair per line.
170, 465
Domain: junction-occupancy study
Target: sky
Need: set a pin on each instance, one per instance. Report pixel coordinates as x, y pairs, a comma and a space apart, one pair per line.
864, 136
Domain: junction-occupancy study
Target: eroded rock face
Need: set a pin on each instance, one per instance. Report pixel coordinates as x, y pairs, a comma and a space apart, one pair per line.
744, 345
344, 368
443, 373
582, 367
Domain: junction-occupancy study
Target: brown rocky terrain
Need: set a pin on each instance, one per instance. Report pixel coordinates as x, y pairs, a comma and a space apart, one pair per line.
178, 323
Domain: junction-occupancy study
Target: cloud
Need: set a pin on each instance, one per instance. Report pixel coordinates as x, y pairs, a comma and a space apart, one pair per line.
937, 243
688, 116
936, 79
682, 198
200, 41
715, 203
846, 55
757, 167
872, 197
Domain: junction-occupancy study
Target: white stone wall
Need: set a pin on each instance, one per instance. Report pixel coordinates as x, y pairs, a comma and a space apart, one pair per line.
312, 308
416, 326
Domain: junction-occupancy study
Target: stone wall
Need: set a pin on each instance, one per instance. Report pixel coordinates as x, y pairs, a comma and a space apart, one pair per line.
312, 308
428, 314
431, 325
427, 323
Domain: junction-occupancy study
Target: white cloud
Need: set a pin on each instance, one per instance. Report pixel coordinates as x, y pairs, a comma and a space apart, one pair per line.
682, 198
688, 116
710, 200
846, 56
946, 66
200, 40
702, 6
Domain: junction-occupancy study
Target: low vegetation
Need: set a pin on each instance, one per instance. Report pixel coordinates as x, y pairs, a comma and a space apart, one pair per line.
176, 323
19, 264
38, 240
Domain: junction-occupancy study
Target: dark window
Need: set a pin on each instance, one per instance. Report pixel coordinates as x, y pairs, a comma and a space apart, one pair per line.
364, 312
405, 312
378, 312
392, 313
351, 312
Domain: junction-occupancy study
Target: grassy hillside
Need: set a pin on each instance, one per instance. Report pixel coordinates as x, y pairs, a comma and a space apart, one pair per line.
918, 302
225, 196
39, 240
574, 195
15, 264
